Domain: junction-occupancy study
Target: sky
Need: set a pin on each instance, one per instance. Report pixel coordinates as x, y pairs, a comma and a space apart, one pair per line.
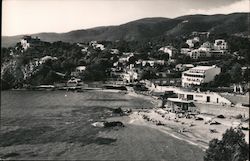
34, 16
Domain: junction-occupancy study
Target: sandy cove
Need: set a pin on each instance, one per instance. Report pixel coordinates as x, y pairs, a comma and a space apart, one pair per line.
196, 132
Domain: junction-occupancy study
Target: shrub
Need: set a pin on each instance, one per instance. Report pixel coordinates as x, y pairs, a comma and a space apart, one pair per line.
232, 147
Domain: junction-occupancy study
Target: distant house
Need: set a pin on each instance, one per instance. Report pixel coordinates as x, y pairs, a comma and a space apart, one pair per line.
73, 82
95, 45
220, 44
202, 35
217, 53
130, 76
199, 75
80, 69
196, 39
159, 62
182, 67
125, 57
84, 49
163, 74
167, 81
191, 42
46, 58
25, 44
172, 52
152, 62
28, 41
115, 64
114, 51
100, 46
196, 54
206, 47
185, 51
79, 72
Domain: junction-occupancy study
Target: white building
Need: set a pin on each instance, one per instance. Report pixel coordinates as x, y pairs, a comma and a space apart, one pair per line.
25, 44
114, 51
170, 50
203, 97
206, 46
96, 45
100, 46
152, 62
182, 67
185, 50
190, 43
46, 58
220, 44
79, 72
196, 39
197, 53
84, 49
199, 75
80, 69
130, 76
217, 53
115, 64
125, 57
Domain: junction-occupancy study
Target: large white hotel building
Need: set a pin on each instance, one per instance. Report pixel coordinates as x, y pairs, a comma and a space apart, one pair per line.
199, 75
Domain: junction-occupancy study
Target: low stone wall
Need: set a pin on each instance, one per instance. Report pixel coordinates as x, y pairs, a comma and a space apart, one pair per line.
223, 110
236, 98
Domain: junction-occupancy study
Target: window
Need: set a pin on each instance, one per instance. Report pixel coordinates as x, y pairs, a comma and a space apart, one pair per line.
208, 98
181, 95
190, 97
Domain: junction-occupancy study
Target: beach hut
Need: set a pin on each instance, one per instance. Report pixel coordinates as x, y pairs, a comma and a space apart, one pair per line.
180, 105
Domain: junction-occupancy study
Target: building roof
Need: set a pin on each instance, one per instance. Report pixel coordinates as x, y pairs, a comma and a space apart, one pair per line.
81, 67
202, 67
188, 65
178, 100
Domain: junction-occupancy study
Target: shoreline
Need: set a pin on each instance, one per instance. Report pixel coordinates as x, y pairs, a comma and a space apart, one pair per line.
197, 134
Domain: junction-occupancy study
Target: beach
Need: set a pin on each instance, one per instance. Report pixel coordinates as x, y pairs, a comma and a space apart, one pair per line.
59, 125
55, 125
194, 132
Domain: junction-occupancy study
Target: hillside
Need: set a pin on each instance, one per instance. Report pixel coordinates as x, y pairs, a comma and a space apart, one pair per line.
149, 28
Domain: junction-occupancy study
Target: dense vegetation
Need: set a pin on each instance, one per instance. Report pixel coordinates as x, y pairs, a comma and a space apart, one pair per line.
232, 147
98, 62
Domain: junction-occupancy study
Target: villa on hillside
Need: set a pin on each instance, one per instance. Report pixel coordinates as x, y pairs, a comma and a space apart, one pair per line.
95, 45
172, 52
183, 67
206, 50
151, 62
79, 72
191, 42
220, 44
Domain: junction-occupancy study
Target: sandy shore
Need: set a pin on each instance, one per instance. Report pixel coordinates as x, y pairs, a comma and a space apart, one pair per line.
58, 125
195, 132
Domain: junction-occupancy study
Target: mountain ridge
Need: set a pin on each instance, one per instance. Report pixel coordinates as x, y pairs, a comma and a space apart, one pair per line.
147, 28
